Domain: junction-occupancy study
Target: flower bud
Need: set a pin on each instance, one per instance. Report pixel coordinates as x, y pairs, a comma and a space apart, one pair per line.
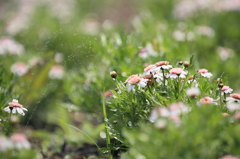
220, 85
219, 80
186, 64
113, 74
163, 93
180, 63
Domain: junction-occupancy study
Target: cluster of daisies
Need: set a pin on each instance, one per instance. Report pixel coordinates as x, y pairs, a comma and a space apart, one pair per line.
161, 72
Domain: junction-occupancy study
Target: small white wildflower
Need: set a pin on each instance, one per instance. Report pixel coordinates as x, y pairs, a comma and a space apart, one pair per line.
193, 92
14, 107
205, 73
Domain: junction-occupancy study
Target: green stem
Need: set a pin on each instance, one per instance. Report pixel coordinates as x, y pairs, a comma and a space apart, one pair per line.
10, 124
220, 96
106, 129
224, 95
178, 88
164, 86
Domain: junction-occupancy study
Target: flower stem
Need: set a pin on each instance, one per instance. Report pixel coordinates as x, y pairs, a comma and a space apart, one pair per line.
10, 125
220, 96
178, 88
106, 129
224, 95
164, 80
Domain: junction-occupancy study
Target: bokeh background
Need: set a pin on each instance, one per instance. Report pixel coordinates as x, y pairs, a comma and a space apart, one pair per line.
56, 55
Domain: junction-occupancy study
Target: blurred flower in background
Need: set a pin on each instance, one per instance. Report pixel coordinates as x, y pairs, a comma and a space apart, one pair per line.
20, 141
10, 46
56, 72
19, 68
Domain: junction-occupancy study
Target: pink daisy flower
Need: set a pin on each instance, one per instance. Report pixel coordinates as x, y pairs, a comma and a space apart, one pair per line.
20, 141
148, 70
233, 98
177, 72
135, 79
19, 68
206, 100
226, 89
14, 107
205, 73
162, 65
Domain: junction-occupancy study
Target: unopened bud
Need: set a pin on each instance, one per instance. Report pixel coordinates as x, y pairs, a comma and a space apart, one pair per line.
220, 85
219, 80
163, 93
113, 74
180, 63
115, 122
186, 64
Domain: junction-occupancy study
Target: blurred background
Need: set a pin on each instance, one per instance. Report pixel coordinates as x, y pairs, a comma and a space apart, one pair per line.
55, 56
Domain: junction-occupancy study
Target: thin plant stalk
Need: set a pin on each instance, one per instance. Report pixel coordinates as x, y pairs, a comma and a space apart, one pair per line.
106, 129
178, 88
220, 97
224, 95
10, 124
164, 80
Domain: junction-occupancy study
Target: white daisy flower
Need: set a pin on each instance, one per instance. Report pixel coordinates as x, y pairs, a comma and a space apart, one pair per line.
19, 68
56, 72
233, 98
233, 106
226, 89
14, 107
135, 79
158, 112
193, 92
5, 143
177, 72
205, 73
149, 70
20, 141
162, 65
147, 51
158, 76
